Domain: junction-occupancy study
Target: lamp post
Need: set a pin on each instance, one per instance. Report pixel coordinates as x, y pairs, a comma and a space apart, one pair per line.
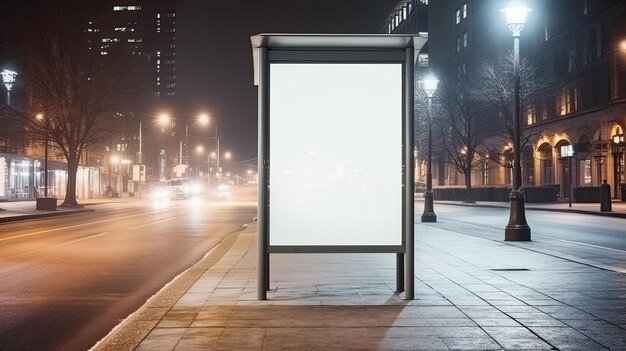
164, 120
567, 152
429, 85
40, 118
517, 229
618, 147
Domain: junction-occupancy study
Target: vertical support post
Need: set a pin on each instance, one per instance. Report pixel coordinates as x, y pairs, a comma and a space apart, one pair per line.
429, 212
45, 171
517, 229
262, 215
409, 195
571, 186
399, 272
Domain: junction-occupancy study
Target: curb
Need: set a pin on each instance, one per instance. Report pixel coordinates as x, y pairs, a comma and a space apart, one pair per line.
26, 217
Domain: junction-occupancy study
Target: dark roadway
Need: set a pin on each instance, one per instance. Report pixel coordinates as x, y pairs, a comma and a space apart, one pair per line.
67, 281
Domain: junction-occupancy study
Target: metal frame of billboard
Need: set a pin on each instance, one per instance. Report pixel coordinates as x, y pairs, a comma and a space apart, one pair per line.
332, 48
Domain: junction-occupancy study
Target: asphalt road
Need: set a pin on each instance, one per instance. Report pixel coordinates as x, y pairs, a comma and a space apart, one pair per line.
65, 282
592, 239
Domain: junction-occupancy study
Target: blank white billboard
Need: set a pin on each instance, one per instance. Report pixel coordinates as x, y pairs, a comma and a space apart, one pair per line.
335, 155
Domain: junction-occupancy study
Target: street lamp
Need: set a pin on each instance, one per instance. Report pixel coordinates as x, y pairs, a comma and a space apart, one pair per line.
617, 148
429, 85
164, 120
517, 229
8, 78
40, 118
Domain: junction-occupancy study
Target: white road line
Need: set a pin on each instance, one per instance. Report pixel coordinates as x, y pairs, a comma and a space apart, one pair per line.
151, 223
579, 243
68, 227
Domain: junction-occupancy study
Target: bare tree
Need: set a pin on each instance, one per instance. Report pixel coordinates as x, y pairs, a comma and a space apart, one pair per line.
461, 125
496, 91
71, 93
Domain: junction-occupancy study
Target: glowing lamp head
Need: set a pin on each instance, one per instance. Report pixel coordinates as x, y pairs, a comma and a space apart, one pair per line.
164, 119
516, 12
429, 85
203, 119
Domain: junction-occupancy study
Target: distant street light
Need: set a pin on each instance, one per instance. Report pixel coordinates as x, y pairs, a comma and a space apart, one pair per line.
429, 85
8, 78
113, 160
517, 229
164, 120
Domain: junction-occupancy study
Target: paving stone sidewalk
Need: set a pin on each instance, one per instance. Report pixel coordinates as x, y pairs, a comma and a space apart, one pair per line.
471, 294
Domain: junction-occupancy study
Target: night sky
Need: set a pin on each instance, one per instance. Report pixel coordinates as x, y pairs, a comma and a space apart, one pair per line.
214, 55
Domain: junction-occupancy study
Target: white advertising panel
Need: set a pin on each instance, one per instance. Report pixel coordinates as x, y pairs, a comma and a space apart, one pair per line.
336, 154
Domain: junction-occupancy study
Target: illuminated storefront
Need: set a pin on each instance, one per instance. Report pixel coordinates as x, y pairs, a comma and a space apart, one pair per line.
22, 178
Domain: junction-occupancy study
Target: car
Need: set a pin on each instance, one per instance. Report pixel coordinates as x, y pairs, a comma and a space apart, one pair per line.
178, 188
223, 191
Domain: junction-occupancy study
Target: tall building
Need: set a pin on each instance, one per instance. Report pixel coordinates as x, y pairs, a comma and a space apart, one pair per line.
142, 34
580, 47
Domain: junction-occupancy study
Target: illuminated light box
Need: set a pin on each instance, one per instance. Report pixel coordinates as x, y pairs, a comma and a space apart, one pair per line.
336, 147
335, 135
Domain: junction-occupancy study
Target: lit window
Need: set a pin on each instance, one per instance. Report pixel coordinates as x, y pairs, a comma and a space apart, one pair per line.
464, 11
103, 53
158, 15
120, 29
458, 16
404, 12
464, 39
458, 44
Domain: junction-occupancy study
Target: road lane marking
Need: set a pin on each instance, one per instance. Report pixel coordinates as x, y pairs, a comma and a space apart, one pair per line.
68, 227
580, 243
151, 223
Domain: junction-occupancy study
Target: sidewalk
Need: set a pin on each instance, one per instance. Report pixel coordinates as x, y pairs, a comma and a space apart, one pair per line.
470, 293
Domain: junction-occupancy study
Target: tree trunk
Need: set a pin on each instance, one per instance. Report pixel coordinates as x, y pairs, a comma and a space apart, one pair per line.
70, 194
469, 197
